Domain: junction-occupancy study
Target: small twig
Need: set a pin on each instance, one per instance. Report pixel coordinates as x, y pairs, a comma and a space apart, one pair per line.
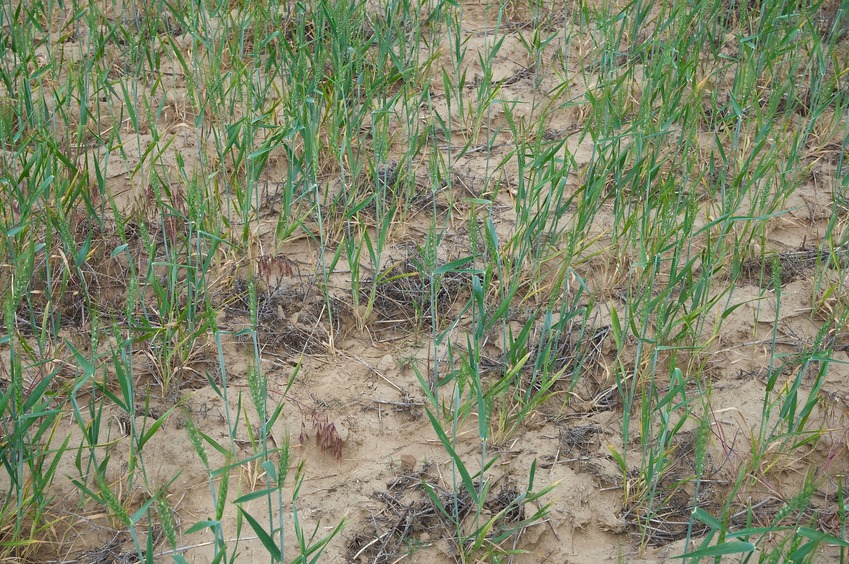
199, 545
373, 369
556, 458
565, 461
357, 555
400, 403
548, 522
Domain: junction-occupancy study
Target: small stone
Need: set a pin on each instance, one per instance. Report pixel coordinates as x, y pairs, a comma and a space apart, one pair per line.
386, 363
342, 432
408, 462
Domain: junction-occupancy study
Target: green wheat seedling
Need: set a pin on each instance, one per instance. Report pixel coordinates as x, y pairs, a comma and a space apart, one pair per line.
28, 455
475, 534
